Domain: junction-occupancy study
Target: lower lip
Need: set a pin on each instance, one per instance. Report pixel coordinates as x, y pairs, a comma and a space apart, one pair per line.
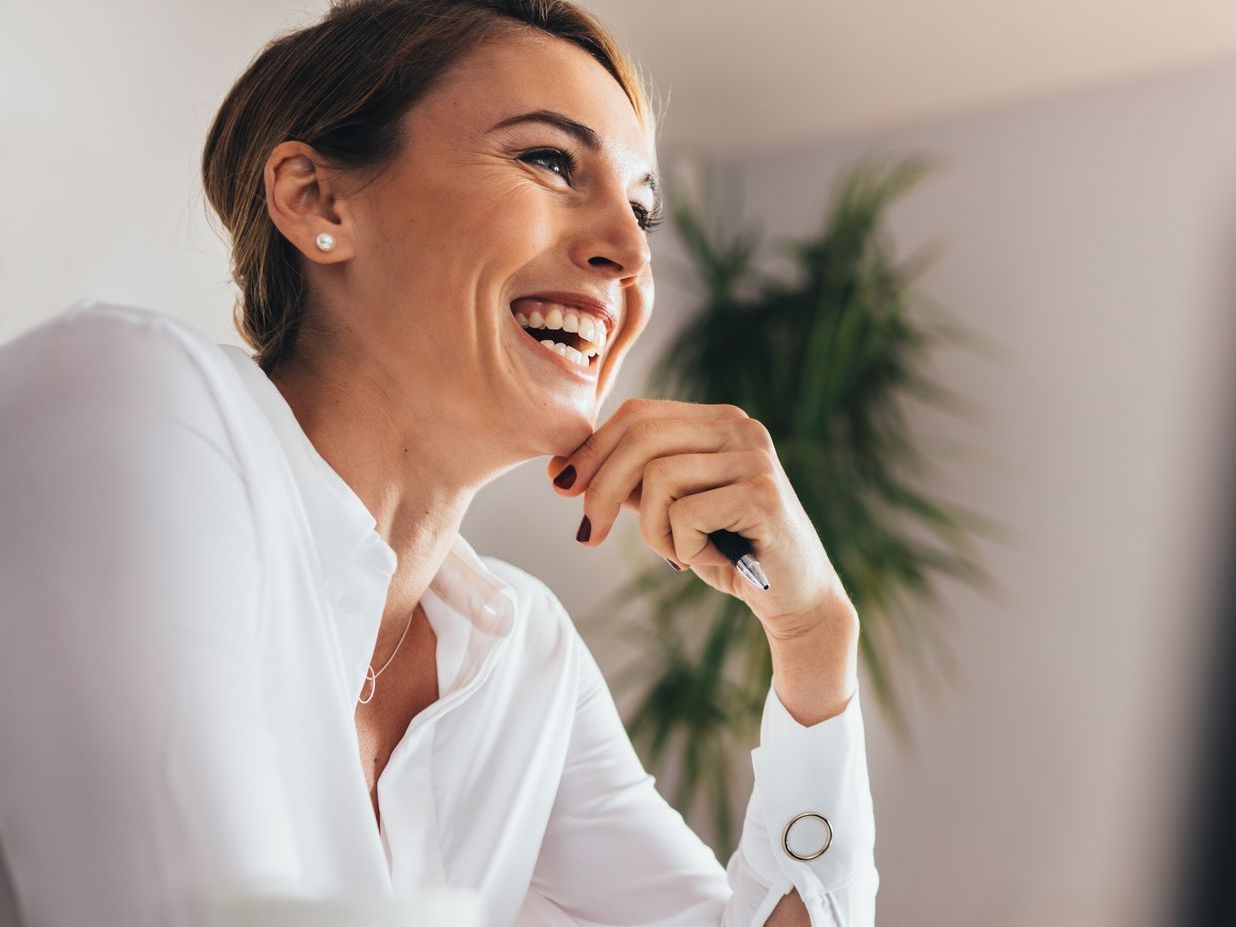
565, 364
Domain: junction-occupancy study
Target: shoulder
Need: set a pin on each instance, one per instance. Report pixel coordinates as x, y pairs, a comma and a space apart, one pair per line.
113, 426
549, 645
116, 361
112, 332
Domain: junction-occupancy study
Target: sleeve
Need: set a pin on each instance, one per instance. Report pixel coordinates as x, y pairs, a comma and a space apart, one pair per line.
137, 769
615, 852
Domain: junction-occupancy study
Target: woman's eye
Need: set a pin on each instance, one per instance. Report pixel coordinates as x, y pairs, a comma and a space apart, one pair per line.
556, 160
647, 220
563, 164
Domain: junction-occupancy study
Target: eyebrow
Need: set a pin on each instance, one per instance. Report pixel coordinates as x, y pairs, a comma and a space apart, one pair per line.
581, 133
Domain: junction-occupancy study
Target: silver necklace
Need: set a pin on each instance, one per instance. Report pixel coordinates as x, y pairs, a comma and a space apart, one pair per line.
371, 677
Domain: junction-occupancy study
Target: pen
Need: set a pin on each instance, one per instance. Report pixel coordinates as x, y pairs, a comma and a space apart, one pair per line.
738, 549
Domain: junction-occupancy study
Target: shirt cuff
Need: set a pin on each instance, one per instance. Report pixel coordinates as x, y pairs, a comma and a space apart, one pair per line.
813, 781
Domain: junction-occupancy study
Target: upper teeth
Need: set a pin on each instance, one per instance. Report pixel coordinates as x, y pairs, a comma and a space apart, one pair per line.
590, 331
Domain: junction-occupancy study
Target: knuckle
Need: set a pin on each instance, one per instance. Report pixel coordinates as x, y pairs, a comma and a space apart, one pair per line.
598, 495
756, 434
767, 485
731, 409
647, 430
655, 470
678, 508
641, 430
634, 407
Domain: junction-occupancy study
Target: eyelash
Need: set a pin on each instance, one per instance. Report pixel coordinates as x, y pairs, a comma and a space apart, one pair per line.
648, 220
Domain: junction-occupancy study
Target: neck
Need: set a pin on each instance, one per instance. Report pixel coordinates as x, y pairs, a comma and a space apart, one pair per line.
414, 465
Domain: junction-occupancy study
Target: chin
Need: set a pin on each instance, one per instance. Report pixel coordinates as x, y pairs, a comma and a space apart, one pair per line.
574, 434
553, 429
571, 430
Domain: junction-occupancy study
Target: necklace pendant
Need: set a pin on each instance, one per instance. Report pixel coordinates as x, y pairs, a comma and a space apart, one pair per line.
371, 679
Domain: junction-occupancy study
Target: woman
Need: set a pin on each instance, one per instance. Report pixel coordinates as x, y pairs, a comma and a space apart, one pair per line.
223, 573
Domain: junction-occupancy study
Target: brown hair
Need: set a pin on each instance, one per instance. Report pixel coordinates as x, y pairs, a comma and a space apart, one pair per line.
342, 86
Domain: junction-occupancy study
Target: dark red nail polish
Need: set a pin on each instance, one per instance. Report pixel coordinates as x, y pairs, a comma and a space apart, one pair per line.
585, 530
565, 479
673, 564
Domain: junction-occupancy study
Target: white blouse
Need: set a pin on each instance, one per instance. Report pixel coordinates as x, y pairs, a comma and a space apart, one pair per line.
190, 598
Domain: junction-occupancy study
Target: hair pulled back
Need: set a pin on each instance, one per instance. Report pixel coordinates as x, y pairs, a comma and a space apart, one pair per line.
342, 86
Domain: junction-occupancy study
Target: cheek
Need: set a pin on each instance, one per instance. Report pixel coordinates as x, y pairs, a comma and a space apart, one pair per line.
519, 219
638, 308
496, 233
450, 238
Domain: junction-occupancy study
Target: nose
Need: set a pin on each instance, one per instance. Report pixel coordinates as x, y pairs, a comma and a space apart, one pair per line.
611, 242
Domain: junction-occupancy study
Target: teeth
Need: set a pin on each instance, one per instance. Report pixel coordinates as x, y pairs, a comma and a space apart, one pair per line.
587, 328
565, 350
561, 318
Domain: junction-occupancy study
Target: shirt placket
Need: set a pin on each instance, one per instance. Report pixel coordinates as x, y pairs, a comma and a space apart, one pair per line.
406, 787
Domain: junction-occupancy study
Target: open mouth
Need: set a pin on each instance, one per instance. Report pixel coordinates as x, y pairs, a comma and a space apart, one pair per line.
564, 330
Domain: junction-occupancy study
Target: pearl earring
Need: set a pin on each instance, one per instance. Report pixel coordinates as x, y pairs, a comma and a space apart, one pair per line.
325, 241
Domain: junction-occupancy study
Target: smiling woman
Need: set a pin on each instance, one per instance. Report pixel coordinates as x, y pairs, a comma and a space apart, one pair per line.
283, 670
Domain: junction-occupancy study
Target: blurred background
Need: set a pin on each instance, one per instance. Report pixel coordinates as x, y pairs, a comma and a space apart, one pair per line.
1080, 218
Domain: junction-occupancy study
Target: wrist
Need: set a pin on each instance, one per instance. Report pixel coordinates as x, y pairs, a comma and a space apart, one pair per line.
815, 664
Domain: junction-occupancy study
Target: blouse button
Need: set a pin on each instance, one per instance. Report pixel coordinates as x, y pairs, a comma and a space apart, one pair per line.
825, 834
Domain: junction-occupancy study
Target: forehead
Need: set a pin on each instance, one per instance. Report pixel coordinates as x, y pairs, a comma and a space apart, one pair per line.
526, 71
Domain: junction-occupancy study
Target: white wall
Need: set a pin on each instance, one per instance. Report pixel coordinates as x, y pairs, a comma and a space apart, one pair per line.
796, 69
103, 111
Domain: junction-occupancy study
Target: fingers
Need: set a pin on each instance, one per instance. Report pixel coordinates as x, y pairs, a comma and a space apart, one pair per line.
555, 466
586, 459
667, 480
739, 507
619, 478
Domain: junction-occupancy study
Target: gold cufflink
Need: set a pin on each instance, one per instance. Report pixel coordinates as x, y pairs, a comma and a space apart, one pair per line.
785, 837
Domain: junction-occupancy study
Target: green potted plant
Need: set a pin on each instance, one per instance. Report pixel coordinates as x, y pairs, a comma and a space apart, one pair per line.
821, 356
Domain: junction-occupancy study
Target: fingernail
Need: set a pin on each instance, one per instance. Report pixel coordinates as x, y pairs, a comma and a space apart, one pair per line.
672, 563
565, 479
585, 530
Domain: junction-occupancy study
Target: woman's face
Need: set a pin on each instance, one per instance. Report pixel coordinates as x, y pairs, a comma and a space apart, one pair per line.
525, 171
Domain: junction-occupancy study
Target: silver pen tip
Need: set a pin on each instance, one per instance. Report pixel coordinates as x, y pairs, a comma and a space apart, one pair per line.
750, 568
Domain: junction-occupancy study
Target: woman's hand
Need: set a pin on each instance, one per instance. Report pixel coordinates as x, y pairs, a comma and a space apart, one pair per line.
691, 468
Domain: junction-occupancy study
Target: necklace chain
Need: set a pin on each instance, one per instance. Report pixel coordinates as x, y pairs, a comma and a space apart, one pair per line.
371, 677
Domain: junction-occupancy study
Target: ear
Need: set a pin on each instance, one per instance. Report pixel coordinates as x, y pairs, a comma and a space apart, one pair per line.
303, 198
